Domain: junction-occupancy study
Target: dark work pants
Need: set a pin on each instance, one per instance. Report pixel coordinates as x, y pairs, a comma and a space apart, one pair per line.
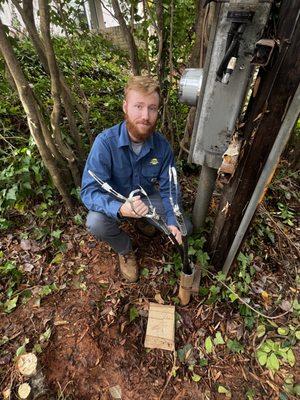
107, 229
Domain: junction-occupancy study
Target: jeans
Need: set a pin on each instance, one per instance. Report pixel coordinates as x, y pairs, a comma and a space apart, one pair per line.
107, 229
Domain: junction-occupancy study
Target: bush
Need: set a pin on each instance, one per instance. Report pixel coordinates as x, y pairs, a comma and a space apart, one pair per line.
94, 69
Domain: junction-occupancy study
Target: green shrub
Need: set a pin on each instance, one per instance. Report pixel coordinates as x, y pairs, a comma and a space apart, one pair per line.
96, 72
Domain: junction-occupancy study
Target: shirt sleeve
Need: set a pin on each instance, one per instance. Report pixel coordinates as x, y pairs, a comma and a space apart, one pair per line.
92, 195
164, 187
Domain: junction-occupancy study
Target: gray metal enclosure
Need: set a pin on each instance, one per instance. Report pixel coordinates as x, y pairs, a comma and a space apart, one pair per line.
220, 104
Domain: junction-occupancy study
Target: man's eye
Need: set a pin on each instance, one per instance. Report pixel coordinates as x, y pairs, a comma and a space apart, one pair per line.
138, 106
154, 109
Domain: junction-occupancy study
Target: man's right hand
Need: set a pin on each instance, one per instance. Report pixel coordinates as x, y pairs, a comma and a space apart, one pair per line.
134, 209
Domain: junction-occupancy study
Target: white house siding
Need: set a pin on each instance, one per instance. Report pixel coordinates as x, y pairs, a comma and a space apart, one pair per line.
11, 17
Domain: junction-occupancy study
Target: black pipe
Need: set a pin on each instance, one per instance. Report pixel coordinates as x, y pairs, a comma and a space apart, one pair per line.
186, 266
182, 250
177, 245
233, 48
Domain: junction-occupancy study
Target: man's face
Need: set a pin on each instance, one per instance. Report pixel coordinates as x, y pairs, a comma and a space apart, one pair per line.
141, 112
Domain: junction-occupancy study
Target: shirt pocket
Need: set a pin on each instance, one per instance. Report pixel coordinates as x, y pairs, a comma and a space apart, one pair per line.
151, 173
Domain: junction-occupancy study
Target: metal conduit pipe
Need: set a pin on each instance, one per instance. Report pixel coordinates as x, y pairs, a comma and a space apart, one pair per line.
205, 190
266, 176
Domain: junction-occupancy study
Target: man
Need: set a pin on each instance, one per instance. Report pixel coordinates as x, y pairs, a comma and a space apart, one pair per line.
126, 156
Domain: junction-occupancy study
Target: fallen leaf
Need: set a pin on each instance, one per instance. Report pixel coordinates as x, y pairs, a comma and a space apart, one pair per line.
106, 311
122, 327
208, 345
154, 271
60, 322
266, 297
159, 299
57, 259
218, 339
260, 331
222, 389
216, 375
286, 305
25, 244
196, 378
28, 267
115, 392
225, 208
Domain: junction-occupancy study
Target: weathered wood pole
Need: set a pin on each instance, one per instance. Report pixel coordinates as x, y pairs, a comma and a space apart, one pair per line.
278, 84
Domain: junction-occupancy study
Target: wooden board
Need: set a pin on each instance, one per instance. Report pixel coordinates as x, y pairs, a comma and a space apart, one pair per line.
160, 332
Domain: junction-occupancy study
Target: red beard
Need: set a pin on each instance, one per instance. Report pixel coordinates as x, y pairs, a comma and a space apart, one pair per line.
136, 132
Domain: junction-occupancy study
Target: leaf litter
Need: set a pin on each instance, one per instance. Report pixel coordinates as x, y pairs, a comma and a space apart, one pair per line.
87, 326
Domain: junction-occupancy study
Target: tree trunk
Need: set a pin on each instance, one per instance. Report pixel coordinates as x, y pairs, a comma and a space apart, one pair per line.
33, 116
278, 84
133, 51
162, 53
56, 91
199, 49
68, 100
146, 38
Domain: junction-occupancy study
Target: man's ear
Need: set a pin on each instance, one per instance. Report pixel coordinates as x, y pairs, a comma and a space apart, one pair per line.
124, 106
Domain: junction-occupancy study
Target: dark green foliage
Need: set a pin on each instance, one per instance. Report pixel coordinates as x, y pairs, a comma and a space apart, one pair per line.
21, 176
96, 73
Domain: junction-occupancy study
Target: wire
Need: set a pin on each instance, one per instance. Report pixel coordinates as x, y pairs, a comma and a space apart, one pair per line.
246, 304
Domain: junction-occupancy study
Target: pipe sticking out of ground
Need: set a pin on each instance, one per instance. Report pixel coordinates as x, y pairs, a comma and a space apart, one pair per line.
185, 287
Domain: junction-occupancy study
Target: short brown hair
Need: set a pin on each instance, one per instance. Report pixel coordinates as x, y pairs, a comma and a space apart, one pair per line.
145, 84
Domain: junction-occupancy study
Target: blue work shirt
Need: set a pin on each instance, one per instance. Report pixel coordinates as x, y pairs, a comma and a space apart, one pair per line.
112, 159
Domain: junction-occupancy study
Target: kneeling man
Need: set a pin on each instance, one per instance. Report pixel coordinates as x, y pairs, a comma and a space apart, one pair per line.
127, 156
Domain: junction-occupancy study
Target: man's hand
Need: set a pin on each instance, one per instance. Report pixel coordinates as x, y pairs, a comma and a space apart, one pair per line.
176, 232
134, 209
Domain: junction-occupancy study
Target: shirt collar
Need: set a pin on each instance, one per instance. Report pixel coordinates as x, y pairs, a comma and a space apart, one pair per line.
124, 139
123, 135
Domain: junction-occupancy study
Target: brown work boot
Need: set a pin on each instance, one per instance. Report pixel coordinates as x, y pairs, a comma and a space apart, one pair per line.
129, 267
145, 228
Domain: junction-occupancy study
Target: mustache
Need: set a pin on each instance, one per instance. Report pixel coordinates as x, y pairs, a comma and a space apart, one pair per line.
144, 121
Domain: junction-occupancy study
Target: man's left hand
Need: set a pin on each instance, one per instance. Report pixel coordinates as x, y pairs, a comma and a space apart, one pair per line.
176, 233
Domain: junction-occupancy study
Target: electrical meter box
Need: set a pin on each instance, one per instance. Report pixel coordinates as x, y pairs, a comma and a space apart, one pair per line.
220, 100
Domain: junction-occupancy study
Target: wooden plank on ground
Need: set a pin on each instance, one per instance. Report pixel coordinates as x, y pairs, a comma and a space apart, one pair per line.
160, 332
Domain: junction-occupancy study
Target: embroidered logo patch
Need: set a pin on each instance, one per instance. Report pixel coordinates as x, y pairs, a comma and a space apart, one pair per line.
154, 161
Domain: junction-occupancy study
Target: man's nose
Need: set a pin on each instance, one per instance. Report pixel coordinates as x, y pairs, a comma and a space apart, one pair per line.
145, 113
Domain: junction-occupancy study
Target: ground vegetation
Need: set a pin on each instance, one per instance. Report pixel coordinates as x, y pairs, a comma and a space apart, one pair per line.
63, 300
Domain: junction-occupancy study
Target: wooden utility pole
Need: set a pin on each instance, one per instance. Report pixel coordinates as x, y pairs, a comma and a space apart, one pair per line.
278, 84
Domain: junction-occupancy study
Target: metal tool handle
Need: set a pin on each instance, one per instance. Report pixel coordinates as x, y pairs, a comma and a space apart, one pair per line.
130, 200
105, 186
153, 215
174, 203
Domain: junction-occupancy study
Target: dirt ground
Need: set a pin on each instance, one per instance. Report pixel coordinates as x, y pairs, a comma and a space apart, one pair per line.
86, 345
